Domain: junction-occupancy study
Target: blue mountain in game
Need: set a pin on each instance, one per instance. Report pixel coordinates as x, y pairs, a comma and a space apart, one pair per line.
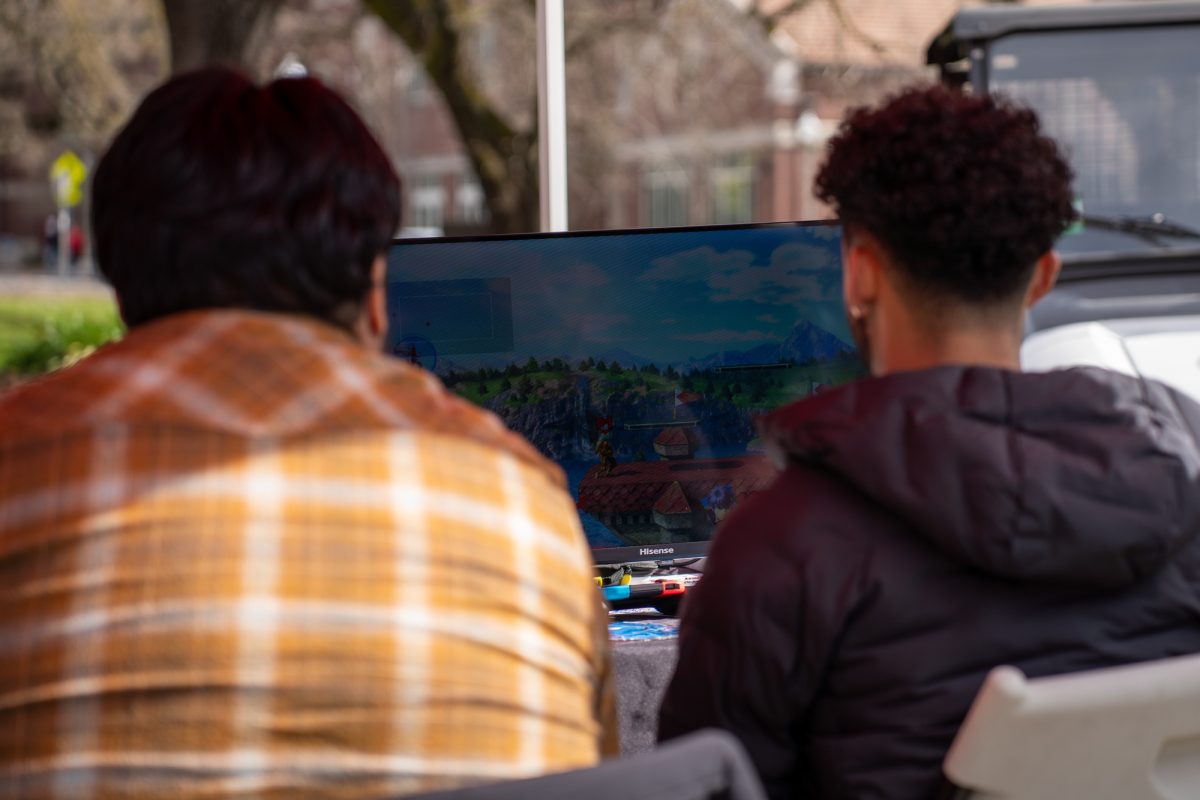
623, 357
809, 342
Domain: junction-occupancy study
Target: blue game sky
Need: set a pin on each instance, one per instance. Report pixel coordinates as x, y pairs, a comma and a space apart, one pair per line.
666, 296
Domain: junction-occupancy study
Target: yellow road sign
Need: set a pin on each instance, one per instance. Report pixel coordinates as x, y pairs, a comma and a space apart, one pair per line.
68, 173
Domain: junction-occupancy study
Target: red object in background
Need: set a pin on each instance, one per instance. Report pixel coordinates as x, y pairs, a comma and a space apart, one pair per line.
76, 242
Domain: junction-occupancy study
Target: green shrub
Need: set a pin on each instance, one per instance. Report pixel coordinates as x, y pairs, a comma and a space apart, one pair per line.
42, 334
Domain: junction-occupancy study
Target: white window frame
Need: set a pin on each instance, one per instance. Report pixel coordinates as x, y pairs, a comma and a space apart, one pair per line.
469, 206
732, 190
666, 193
427, 201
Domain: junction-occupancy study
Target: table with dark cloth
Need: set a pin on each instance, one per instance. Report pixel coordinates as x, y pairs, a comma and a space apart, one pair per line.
644, 648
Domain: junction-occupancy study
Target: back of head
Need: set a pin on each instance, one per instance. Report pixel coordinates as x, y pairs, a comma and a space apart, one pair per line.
222, 194
963, 191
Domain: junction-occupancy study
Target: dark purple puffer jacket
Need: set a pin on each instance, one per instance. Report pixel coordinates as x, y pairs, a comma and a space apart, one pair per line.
927, 527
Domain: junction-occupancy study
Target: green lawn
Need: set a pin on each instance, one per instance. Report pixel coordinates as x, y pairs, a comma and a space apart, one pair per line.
39, 334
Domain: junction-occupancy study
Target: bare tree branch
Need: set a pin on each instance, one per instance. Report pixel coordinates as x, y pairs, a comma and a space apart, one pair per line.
86, 96
504, 158
770, 21
637, 16
852, 27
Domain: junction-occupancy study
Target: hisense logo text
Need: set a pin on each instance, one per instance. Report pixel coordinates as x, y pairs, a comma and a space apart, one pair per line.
656, 551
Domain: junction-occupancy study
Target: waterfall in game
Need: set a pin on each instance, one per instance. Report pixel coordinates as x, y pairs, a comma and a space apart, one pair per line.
583, 443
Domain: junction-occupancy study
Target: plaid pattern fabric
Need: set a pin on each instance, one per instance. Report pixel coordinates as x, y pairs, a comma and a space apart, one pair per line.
242, 556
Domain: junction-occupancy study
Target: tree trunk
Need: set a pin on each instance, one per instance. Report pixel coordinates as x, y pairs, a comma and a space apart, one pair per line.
508, 175
504, 159
227, 32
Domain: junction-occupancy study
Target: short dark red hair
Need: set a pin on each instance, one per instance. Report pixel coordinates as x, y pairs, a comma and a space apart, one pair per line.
964, 191
221, 193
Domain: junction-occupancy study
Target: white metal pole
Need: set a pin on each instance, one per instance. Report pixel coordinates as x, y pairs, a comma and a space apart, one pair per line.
552, 116
64, 241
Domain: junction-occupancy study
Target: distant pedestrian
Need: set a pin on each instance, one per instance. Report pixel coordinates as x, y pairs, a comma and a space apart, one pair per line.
76, 243
50, 241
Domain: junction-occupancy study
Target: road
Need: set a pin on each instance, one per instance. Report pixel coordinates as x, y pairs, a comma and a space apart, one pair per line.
32, 284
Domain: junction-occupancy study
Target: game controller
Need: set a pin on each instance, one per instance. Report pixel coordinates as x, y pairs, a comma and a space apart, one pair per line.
665, 596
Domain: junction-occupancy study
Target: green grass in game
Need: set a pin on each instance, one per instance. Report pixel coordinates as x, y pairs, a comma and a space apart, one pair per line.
767, 388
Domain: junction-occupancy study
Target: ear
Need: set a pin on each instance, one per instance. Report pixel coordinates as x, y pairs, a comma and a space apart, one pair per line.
376, 307
861, 267
120, 309
1045, 274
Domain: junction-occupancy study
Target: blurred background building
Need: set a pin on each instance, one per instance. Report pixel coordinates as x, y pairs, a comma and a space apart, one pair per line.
679, 111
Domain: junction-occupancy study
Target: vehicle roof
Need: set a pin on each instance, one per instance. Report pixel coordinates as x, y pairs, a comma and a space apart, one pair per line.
1161, 348
995, 21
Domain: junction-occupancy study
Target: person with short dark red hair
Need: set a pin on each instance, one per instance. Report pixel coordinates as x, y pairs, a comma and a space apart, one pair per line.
246, 554
949, 513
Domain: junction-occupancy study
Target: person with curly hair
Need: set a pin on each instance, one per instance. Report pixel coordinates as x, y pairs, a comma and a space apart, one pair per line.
949, 513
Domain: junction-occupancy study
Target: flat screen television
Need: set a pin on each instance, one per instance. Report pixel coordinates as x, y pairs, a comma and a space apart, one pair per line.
637, 360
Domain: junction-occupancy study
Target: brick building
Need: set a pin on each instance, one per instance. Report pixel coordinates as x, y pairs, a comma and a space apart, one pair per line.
706, 118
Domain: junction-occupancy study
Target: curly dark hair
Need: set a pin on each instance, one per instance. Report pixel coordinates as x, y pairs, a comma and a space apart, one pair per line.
220, 193
963, 191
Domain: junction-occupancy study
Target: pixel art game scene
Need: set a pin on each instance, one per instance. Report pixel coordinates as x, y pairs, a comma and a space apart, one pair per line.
638, 360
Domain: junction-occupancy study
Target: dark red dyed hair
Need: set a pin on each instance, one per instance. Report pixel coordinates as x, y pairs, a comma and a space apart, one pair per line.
220, 193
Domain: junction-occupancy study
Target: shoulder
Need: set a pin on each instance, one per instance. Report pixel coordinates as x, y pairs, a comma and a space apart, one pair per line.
427, 405
804, 552
804, 512
55, 403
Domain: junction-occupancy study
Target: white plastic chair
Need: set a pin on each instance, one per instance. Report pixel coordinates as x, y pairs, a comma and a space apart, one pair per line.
1124, 733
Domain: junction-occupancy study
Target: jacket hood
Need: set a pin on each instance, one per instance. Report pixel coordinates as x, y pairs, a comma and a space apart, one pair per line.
1080, 477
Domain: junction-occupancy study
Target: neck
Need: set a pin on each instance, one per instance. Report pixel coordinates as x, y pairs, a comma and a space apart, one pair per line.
968, 348
901, 343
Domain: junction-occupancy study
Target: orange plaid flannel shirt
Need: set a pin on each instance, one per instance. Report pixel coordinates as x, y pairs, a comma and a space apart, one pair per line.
240, 555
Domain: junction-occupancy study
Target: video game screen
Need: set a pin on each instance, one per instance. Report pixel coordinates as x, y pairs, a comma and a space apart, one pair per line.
637, 360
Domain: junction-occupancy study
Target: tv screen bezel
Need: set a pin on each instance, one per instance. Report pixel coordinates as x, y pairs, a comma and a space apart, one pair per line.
676, 551
488, 237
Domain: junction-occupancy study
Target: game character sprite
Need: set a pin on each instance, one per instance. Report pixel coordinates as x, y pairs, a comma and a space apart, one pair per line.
608, 459
718, 502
